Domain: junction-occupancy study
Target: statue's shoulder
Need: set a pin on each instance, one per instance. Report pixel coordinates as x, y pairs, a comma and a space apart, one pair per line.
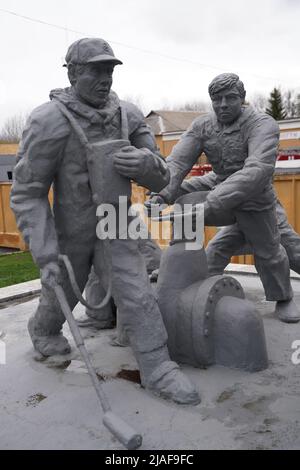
253, 118
203, 122
48, 119
46, 111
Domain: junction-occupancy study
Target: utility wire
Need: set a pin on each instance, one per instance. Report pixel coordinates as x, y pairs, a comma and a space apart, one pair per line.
147, 51
35, 20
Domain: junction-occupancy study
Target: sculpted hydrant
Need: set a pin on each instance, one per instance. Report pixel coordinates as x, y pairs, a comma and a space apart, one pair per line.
208, 319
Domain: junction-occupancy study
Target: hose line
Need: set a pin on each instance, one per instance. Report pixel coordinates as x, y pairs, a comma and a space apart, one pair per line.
75, 287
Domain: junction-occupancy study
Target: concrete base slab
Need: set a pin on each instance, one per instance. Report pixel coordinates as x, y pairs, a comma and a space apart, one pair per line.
50, 404
234, 268
18, 291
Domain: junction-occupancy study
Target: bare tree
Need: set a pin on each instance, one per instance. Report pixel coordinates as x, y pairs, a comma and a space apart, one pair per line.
200, 106
290, 102
13, 127
259, 102
137, 100
290, 99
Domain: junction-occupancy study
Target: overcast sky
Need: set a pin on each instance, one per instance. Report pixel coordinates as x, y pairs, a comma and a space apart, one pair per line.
189, 42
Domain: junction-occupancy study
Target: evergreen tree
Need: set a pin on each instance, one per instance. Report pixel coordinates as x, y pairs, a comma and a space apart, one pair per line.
276, 108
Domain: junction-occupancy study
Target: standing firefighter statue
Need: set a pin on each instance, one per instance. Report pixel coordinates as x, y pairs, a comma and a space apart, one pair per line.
89, 144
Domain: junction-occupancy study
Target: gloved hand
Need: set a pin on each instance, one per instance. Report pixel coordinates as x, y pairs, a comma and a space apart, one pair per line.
51, 274
130, 162
155, 201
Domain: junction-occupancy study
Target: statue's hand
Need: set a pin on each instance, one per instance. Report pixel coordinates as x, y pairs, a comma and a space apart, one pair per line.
130, 162
50, 274
157, 202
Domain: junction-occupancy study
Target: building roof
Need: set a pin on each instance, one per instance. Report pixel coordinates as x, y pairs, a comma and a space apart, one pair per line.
162, 122
289, 121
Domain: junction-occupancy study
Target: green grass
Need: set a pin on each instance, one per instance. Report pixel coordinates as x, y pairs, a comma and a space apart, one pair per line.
16, 268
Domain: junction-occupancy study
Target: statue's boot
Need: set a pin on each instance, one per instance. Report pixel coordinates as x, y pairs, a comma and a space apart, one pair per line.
164, 378
167, 381
48, 345
287, 311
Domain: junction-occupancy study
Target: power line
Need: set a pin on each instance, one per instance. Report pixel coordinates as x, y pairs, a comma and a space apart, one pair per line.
35, 20
147, 51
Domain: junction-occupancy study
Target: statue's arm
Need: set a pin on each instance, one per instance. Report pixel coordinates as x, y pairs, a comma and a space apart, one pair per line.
37, 162
153, 173
256, 175
181, 160
199, 183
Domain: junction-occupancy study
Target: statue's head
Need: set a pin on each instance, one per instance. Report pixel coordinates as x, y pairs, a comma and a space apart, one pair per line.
227, 94
90, 63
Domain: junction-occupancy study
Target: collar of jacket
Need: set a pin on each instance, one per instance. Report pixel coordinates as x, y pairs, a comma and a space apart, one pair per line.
103, 116
236, 125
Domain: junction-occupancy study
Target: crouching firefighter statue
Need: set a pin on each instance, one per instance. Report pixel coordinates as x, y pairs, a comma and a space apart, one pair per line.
208, 319
89, 144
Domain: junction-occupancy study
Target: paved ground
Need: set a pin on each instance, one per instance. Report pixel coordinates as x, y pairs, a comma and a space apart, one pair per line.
51, 404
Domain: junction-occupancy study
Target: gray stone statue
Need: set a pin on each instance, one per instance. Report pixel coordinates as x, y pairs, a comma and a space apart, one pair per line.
241, 145
59, 147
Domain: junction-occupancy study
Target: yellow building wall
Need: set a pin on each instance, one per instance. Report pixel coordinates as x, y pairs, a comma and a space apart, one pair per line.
160, 144
10, 236
167, 146
289, 143
292, 143
8, 149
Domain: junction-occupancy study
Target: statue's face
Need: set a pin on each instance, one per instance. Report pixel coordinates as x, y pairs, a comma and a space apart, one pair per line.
227, 105
93, 83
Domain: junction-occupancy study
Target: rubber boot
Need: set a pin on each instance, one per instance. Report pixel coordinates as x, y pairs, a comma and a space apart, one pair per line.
164, 378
